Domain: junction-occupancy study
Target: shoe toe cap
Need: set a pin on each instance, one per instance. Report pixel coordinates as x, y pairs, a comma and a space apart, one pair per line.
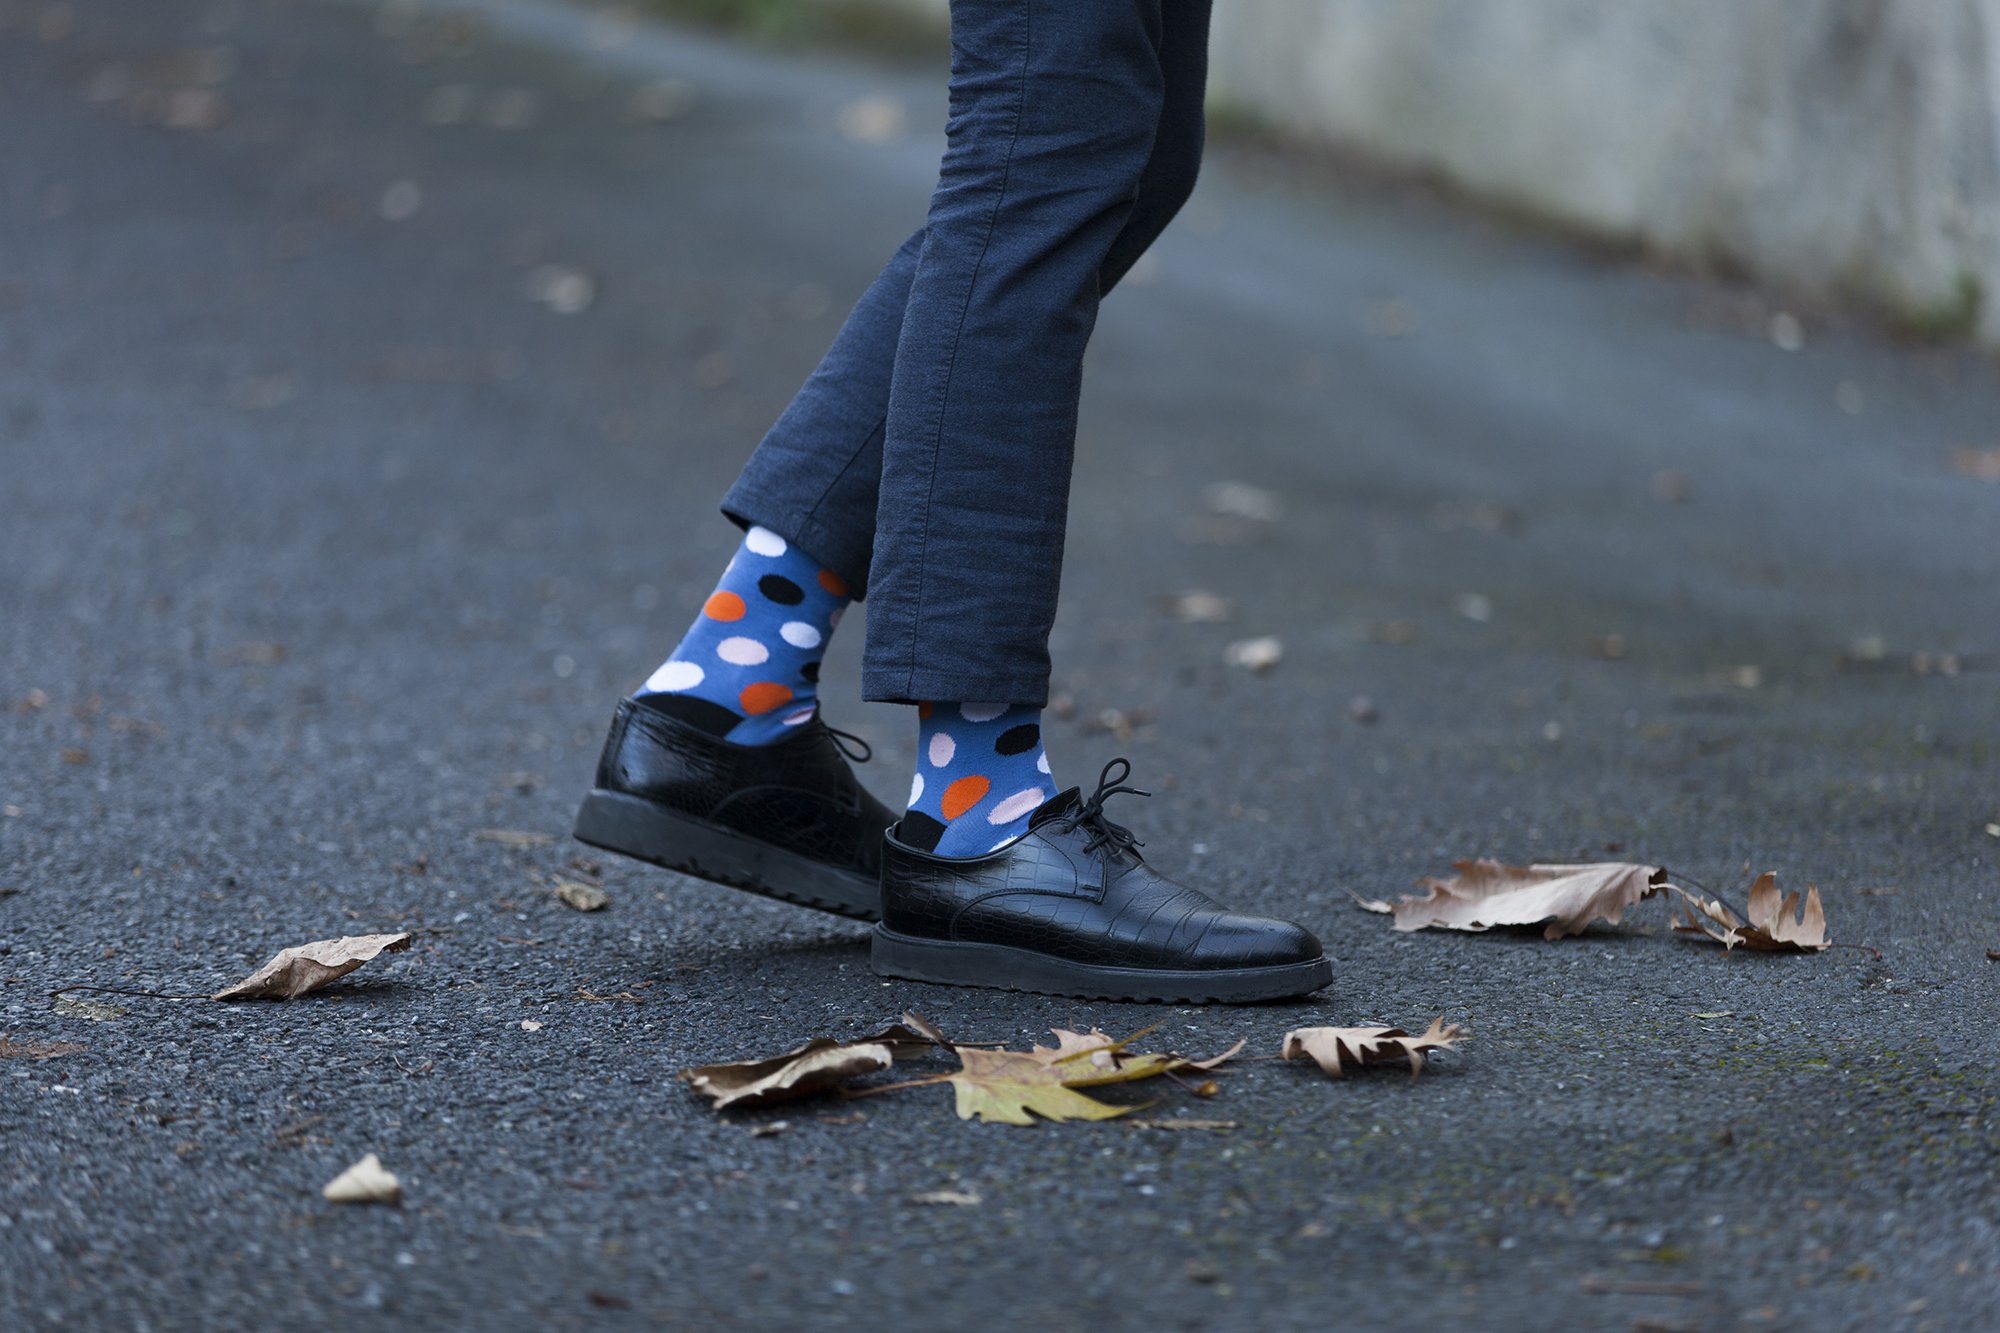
1256, 941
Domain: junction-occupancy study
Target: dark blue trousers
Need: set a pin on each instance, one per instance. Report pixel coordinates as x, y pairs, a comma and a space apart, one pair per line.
927, 459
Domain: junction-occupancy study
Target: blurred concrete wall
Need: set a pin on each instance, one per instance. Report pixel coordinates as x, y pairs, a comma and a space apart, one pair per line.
1847, 148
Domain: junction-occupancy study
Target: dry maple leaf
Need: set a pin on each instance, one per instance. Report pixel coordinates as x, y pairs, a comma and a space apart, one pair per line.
1005, 1086
819, 1064
1485, 893
307, 967
1336, 1050
364, 1182
1776, 925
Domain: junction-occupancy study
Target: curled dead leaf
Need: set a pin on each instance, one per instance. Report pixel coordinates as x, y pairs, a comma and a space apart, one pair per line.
1485, 893
1337, 1050
819, 1064
364, 1182
307, 967
1776, 925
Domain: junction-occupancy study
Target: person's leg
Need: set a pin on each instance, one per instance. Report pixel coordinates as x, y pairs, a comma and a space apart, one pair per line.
816, 476
1055, 108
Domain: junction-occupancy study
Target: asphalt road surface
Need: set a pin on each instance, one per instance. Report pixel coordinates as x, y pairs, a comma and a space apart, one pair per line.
367, 380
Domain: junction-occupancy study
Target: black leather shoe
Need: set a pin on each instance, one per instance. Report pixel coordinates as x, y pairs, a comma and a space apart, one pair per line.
788, 820
1071, 909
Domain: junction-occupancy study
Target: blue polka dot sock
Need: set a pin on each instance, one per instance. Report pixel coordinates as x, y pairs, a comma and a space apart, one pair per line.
981, 771
748, 668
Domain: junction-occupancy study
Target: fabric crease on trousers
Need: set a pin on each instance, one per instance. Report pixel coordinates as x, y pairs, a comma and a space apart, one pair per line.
927, 459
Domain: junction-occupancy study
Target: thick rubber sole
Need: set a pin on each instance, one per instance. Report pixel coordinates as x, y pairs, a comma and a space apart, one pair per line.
632, 826
957, 963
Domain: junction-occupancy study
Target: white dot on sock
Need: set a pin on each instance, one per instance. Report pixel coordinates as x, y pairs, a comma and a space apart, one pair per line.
675, 676
981, 712
799, 634
763, 541
798, 717
1042, 762
742, 651
1020, 803
942, 748
916, 791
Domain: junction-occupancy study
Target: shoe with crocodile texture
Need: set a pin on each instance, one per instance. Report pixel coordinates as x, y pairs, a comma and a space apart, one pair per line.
1070, 908
787, 820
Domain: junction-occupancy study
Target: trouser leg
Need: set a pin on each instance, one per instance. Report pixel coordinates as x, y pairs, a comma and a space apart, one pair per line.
816, 476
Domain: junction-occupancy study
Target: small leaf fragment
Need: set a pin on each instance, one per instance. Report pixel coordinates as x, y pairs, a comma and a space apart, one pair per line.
36, 1050
364, 1182
512, 837
95, 1010
307, 967
1184, 1124
583, 897
952, 1198
1337, 1050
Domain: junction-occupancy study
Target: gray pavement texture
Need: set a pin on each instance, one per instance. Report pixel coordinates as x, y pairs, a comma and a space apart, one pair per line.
326, 546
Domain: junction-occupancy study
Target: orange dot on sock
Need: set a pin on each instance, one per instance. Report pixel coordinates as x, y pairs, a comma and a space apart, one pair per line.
924, 712
833, 583
723, 606
962, 795
762, 696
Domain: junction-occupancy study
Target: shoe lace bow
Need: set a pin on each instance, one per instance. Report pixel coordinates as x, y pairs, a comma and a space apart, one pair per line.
850, 745
1090, 815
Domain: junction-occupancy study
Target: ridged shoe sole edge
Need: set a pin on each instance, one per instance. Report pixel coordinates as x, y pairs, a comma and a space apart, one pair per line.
635, 827
962, 963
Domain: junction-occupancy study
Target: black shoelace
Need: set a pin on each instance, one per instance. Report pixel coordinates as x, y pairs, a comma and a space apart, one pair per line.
1090, 814
861, 752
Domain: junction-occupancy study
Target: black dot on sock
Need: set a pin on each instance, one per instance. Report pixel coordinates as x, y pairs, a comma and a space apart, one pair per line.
919, 830
1018, 740
810, 671
781, 590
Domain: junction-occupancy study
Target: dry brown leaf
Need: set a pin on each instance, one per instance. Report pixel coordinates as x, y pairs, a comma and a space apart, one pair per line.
1776, 925
819, 1064
307, 967
583, 897
364, 1182
1485, 893
923, 1027
1336, 1050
